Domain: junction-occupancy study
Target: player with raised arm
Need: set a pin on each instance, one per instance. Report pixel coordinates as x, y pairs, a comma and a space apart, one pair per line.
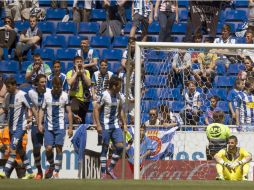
17, 105
37, 96
54, 105
233, 161
108, 110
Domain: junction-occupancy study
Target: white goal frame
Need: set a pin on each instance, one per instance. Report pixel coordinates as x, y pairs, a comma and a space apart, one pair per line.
162, 45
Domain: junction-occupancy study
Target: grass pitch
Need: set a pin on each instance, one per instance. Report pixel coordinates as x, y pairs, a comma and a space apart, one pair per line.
123, 185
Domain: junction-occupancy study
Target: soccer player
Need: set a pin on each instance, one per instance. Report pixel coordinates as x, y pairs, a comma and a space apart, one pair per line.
217, 134
37, 95
107, 111
54, 105
245, 106
16, 104
232, 162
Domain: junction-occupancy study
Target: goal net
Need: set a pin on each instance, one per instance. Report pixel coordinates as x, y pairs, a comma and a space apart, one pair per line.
183, 85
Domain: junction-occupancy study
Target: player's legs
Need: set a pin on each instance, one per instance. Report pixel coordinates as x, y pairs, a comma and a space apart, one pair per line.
104, 151
135, 24
219, 169
246, 168
49, 143
59, 141
117, 138
37, 140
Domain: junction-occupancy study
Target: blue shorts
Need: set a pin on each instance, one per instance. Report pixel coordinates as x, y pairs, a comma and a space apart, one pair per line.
115, 134
54, 137
16, 139
37, 137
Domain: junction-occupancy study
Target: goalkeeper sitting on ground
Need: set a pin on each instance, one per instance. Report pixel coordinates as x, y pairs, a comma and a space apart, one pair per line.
232, 162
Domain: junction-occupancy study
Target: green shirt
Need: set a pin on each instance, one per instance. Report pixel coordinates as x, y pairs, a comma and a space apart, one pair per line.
217, 131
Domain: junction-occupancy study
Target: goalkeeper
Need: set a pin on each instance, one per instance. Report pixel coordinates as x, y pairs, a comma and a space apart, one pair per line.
232, 162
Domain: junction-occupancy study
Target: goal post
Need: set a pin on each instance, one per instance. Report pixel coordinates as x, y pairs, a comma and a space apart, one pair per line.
164, 46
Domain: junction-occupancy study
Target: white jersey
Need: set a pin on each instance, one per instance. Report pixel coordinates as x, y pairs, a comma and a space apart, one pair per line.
54, 110
109, 113
36, 98
17, 105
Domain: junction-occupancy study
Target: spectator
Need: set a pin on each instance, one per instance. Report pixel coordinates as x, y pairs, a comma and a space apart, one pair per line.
196, 39
37, 67
205, 75
8, 36
249, 38
142, 13
181, 69
231, 98
3, 92
226, 38
89, 55
251, 14
191, 112
81, 10
128, 55
79, 81
167, 15
217, 135
249, 67
29, 39
167, 118
211, 109
57, 73
100, 82
13, 9
63, 5
32, 7
153, 118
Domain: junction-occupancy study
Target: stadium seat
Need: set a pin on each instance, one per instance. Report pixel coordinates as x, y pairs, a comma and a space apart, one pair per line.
100, 41
155, 81
89, 118
220, 92
112, 54
152, 68
66, 66
243, 3
9, 66
20, 25
55, 41
66, 28
144, 117
183, 15
89, 28
151, 93
146, 105
98, 15
24, 65
65, 54
179, 28
44, 3
183, 4
74, 41
55, 14
164, 68
156, 55
154, 28
227, 119
47, 27
128, 14
46, 53
170, 93
236, 15
20, 78
223, 105
120, 42
234, 69
90, 108
127, 27
114, 66
220, 68
162, 81
177, 106
224, 81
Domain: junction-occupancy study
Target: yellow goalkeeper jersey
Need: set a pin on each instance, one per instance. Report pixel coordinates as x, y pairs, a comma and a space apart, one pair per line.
227, 157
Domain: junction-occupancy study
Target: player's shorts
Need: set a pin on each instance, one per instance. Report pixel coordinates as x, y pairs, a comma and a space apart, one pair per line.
16, 139
114, 134
37, 137
54, 137
234, 175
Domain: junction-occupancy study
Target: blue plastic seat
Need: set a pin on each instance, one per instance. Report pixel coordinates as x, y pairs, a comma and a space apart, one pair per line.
20, 25
170, 93
127, 27
152, 68
220, 92
236, 15
223, 105
154, 28
89, 28
114, 66
66, 28
146, 105
156, 55
183, 3
44, 3
55, 41
100, 41
234, 69
224, 81
179, 28
151, 93
183, 15
20, 78
89, 118
74, 41
24, 65
155, 81
177, 106
98, 15
9, 66
220, 68
65, 54
66, 66
112, 54
242, 3
46, 53
55, 14
47, 27
120, 41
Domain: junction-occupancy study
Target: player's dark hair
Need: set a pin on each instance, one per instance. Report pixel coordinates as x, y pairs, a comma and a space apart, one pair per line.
55, 62
57, 81
114, 80
104, 61
10, 81
77, 57
38, 77
233, 137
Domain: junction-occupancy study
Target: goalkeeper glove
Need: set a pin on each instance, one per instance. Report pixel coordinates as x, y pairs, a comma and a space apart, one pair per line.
236, 163
228, 164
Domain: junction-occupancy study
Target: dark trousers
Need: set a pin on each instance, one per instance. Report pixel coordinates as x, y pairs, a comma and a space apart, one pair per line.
79, 108
166, 20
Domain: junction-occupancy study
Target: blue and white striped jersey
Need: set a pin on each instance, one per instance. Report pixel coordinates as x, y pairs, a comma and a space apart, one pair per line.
36, 98
245, 104
142, 7
54, 110
17, 105
62, 77
110, 107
